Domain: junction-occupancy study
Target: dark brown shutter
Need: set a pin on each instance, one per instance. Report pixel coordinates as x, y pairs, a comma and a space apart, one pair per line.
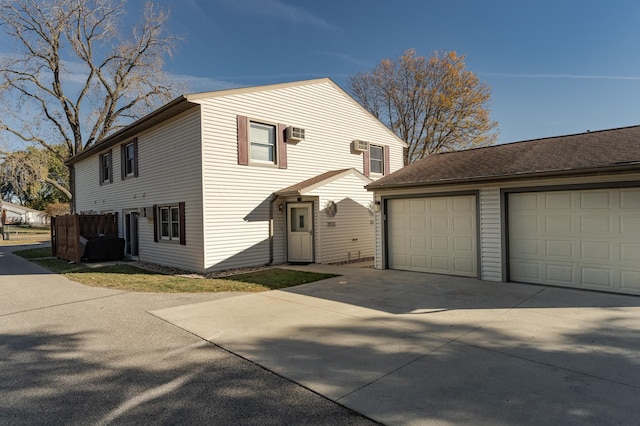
110, 166
282, 147
135, 157
123, 161
183, 237
100, 170
155, 223
366, 164
385, 167
243, 140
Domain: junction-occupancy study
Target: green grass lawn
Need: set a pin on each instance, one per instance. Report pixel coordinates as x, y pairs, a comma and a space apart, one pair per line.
21, 235
131, 278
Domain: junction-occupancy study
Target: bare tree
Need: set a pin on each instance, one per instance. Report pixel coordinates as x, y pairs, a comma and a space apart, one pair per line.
434, 104
75, 77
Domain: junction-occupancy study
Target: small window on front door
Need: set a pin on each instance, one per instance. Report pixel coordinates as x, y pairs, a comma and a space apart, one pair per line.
299, 219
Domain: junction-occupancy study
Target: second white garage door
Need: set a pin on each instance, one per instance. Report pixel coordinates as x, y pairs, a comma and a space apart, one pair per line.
584, 239
433, 234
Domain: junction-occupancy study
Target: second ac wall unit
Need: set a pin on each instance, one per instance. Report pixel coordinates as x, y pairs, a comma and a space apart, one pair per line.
294, 134
360, 146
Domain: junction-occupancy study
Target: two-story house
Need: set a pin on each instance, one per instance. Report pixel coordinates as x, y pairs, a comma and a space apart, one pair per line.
243, 177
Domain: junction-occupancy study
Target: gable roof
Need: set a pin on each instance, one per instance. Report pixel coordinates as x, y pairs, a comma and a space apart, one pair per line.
188, 101
614, 150
322, 179
17, 208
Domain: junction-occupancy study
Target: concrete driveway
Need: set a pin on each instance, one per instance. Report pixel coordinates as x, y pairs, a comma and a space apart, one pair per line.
411, 348
77, 355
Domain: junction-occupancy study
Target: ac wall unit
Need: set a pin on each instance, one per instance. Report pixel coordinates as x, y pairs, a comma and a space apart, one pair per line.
360, 146
294, 134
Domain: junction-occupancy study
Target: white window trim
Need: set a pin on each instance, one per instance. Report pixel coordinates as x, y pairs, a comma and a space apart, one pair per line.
106, 177
381, 160
170, 222
126, 159
254, 161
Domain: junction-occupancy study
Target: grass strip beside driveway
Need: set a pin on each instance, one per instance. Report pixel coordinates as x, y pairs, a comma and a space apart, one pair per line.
131, 278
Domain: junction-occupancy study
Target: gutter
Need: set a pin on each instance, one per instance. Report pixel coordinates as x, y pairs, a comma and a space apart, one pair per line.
631, 168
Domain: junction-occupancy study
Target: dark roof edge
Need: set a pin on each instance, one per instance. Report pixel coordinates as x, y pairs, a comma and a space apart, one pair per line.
501, 178
173, 108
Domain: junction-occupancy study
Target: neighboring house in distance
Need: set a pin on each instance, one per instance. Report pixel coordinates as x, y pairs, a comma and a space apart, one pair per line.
243, 177
561, 211
17, 214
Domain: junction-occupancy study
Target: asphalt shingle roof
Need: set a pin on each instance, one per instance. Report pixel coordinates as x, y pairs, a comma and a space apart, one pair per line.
579, 153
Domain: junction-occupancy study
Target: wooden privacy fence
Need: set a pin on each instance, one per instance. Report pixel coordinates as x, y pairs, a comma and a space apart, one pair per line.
69, 233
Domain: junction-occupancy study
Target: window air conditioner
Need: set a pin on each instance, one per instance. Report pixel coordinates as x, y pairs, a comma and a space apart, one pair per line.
360, 146
294, 134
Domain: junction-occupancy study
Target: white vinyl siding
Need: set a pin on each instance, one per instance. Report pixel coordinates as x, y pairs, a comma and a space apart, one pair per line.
237, 198
490, 234
170, 172
349, 235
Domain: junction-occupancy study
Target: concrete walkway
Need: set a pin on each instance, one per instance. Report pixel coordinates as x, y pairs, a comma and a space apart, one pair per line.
77, 355
409, 348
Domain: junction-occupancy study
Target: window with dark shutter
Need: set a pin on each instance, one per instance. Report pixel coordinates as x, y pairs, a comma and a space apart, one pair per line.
105, 167
129, 159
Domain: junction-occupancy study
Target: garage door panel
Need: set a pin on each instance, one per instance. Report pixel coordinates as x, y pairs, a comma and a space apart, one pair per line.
588, 239
595, 200
630, 253
560, 274
463, 266
525, 271
630, 199
558, 201
440, 232
630, 225
630, 280
559, 248
596, 251
596, 224
597, 277
558, 224
525, 247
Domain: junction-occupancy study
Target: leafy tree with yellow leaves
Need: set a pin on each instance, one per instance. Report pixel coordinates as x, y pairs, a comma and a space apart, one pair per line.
434, 104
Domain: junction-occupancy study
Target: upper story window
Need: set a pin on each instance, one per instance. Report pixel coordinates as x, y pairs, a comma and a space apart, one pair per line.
260, 143
129, 159
376, 159
263, 143
106, 170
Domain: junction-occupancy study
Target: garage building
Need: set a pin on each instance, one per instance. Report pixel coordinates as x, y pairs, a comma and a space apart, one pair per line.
561, 211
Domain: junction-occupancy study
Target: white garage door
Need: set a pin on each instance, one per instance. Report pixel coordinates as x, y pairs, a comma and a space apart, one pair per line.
585, 239
433, 234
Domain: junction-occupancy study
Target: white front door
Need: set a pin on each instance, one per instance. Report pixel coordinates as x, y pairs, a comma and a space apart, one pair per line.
300, 232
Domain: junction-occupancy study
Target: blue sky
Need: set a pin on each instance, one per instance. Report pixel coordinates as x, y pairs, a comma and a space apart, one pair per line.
555, 67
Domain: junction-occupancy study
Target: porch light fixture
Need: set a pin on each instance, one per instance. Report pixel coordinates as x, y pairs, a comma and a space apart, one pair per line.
280, 207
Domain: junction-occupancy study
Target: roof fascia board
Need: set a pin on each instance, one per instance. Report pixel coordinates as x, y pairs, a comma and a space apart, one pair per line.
492, 179
180, 104
326, 181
